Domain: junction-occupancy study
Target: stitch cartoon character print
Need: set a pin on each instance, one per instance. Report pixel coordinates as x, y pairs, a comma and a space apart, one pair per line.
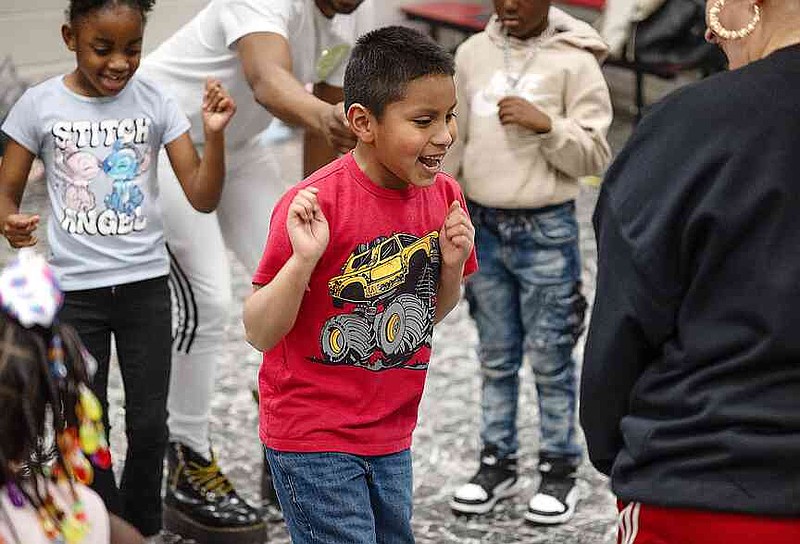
100, 164
386, 294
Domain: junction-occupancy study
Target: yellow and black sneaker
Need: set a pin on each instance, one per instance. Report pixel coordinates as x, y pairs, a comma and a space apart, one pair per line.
201, 503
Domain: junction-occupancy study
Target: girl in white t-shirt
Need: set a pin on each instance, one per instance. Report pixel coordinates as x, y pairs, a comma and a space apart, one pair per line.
50, 422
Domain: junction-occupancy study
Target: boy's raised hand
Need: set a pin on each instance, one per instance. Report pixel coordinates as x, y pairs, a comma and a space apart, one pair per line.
218, 106
515, 110
18, 228
456, 237
307, 226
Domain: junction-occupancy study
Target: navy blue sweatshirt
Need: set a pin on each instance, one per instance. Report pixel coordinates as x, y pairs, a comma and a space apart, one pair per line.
690, 392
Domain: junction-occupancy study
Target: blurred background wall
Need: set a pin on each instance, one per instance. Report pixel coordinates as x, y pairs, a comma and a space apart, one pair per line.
30, 32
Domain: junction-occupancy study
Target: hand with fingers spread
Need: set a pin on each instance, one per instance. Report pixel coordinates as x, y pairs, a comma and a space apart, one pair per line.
18, 228
307, 226
515, 110
218, 106
336, 130
456, 237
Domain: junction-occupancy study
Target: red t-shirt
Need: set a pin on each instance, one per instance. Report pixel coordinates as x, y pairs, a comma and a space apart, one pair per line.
349, 375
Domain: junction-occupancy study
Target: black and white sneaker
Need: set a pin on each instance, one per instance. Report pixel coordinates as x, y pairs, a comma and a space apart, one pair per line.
558, 494
496, 479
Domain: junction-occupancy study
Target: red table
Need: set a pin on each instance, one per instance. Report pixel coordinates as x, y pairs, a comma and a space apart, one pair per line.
466, 18
597, 5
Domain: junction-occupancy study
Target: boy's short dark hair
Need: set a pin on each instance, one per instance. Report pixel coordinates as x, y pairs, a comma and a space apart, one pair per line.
385, 60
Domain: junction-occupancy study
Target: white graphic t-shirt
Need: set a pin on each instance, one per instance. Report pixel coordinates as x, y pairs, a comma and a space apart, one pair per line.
99, 156
206, 45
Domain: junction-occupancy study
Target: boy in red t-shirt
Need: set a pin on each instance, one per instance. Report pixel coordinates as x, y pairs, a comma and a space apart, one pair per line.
362, 258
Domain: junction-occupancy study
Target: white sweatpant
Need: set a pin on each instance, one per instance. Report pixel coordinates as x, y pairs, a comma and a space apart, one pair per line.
200, 280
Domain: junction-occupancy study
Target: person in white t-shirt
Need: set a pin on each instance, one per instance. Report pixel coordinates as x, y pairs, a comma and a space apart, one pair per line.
264, 52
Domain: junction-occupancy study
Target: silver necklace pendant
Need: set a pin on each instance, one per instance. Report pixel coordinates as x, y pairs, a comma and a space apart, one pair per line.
511, 81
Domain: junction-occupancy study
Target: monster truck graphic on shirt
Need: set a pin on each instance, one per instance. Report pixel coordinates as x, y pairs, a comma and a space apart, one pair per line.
389, 287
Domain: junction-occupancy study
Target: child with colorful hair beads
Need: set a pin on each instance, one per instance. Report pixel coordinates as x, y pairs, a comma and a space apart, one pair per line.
50, 422
98, 130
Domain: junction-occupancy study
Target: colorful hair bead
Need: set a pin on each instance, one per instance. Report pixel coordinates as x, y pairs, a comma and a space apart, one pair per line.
15, 495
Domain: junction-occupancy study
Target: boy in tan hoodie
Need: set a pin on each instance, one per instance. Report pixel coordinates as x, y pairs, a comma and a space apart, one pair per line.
534, 109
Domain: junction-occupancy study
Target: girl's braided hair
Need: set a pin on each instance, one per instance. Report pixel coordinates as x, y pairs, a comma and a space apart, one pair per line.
33, 406
79, 8
49, 419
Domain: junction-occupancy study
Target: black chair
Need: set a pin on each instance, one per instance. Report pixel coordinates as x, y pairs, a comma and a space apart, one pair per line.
669, 42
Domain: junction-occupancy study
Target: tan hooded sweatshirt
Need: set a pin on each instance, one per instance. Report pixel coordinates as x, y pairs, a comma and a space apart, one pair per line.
513, 167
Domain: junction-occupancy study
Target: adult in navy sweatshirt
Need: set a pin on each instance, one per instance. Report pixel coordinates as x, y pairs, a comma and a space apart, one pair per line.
690, 395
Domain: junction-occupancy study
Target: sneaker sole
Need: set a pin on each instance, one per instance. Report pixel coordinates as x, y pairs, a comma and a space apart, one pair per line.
544, 519
179, 523
486, 507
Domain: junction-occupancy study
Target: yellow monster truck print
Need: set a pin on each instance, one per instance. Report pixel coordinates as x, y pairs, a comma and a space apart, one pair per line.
389, 286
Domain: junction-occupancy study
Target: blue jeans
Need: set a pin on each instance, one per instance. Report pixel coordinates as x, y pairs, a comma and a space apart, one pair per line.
526, 300
138, 314
338, 498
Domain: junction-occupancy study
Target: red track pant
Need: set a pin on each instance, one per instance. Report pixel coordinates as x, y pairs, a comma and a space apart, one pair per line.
645, 524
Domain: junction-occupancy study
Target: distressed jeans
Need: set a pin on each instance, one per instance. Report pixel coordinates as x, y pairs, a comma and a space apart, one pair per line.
526, 301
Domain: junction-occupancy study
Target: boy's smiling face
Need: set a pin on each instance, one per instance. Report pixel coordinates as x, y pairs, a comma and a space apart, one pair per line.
408, 143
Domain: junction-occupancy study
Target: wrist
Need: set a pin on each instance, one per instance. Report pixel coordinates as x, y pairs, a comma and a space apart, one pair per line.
451, 271
213, 135
302, 267
322, 113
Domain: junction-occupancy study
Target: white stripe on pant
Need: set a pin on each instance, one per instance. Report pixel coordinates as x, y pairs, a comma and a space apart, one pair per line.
628, 523
200, 274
